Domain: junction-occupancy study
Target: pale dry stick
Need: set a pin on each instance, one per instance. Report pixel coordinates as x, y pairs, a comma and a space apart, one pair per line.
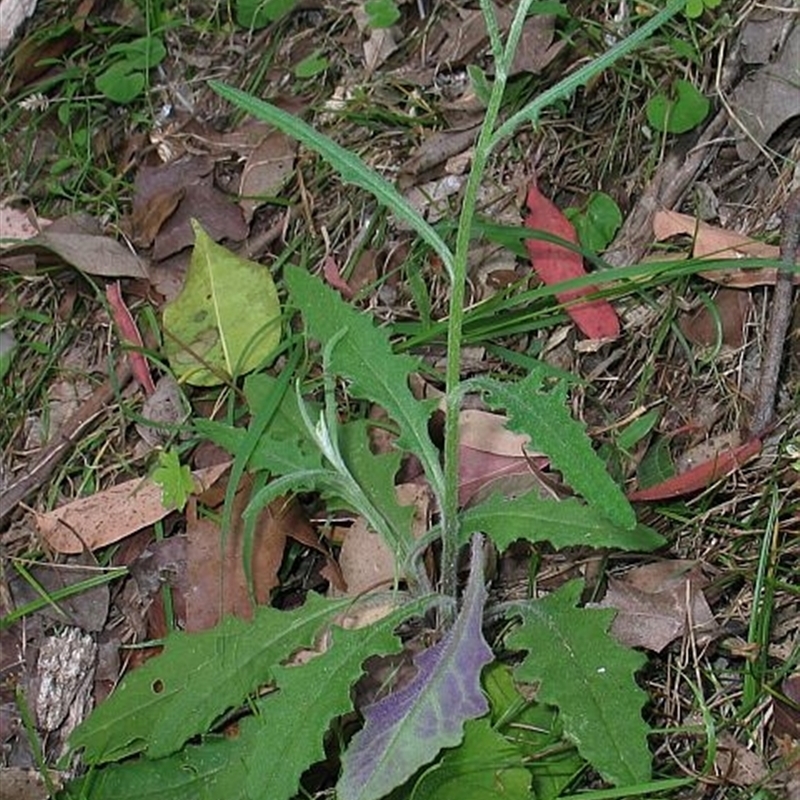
52, 455
780, 315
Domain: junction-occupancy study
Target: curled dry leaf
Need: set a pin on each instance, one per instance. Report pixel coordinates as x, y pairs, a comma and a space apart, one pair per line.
129, 333
79, 242
713, 242
723, 463
657, 603
108, 516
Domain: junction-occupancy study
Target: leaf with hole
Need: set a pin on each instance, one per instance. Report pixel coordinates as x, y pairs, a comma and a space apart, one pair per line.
250, 762
197, 678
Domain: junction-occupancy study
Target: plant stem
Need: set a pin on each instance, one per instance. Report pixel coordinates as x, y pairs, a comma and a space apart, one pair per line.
487, 141
450, 522
568, 85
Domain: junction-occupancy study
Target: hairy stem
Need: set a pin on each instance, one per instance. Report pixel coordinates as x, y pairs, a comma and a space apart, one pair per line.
450, 523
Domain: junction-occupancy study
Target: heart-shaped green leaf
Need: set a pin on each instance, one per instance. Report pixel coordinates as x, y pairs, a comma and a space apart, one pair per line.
678, 114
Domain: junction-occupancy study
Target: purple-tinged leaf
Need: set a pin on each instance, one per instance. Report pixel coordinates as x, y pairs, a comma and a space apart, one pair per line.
406, 730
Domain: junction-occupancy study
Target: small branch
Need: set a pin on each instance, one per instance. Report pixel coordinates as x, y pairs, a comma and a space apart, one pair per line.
780, 316
55, 451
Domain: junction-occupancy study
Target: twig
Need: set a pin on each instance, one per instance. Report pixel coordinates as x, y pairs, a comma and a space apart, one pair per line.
671, 180
62, 443
780, 315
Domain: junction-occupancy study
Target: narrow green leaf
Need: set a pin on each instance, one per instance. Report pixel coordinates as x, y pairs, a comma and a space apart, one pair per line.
563, 523
363, 355
590, 678
198, 677
225, 321
349, 166
542, 414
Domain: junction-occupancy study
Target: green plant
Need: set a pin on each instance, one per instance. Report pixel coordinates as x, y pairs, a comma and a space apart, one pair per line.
597, 222
187, 692
678, 112
126, 76
174, 478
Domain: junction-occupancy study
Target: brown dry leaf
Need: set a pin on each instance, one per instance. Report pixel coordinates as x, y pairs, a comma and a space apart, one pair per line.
111, 515
189, 181
436, 150
465, 34
378, 47
652, 602
732, 307
34, 57
219, 216
713, 242
79, 242
488, 451
302, 531
769, 97
148, 218
736, 764
18, 224
216, 580
707, 450
266, 170
786, 716
164, 409
536, 48
366, 562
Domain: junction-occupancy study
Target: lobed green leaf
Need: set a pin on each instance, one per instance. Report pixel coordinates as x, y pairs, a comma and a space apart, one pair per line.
563, 523
542, 414
197, 678
590, 678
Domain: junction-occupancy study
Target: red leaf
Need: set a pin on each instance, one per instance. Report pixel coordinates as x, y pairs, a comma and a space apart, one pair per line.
554, 264
330, 271
126, 325
702, 475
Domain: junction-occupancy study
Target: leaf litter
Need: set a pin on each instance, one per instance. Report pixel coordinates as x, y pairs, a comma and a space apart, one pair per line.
263, 177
